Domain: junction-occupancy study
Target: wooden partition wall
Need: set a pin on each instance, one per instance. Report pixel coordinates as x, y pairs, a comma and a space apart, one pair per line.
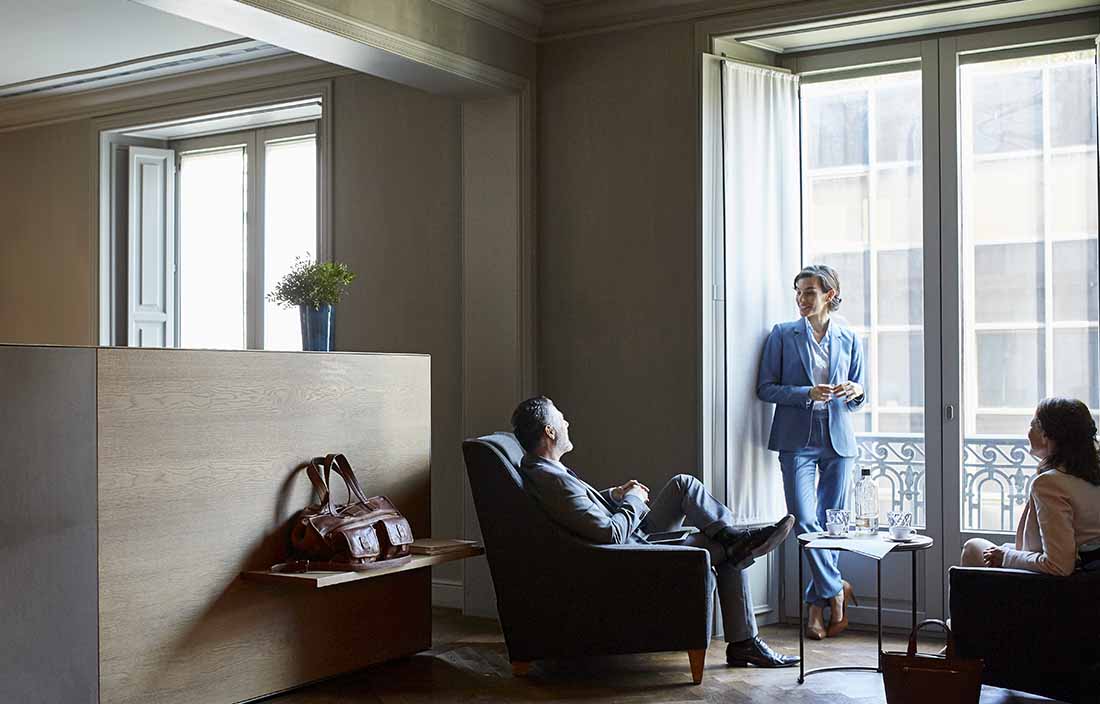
196, 466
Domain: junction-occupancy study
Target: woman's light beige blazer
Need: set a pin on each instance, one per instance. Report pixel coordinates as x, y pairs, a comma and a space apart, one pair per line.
1062, 514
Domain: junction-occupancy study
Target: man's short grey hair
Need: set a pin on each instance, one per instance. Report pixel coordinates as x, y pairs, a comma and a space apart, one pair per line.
529, 419
827, 276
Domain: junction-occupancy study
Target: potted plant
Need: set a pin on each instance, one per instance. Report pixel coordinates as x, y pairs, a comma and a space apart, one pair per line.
315, 287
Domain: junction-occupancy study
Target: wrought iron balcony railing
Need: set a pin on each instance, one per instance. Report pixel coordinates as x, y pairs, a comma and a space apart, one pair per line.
997, 476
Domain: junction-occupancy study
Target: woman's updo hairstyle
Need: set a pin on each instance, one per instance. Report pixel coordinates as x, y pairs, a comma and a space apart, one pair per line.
830, 280
1069, 423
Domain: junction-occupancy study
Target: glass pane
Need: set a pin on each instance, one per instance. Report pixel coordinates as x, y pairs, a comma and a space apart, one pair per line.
1072, 96
897, 124
1027, 170
1075, 362
838, 208
1007, 107
1001, 424
1004, 198
290, 229
1010, 369
1073, 193
862, 190
901, 423
835, 127
212, 249
1008, 282
900, 287
897, 210
1075, 274
901, 369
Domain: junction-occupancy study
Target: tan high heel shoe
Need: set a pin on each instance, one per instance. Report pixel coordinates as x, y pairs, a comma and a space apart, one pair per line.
815, 627
838, 605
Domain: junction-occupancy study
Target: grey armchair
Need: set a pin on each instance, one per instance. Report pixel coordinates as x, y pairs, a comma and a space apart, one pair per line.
558, 596
1037, 633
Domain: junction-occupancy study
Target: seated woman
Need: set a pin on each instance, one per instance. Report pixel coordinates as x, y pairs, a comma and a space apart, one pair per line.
1061, 521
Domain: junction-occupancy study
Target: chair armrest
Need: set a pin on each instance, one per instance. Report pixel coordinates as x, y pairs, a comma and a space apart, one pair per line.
604, 599
1030, 628
643, 579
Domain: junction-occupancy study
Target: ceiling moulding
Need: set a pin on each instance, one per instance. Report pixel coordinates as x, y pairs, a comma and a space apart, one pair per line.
348, 41
572, 18
158, 66
519, 17
35, 110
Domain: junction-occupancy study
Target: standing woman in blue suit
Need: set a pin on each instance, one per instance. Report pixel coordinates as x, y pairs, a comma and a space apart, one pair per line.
812, 370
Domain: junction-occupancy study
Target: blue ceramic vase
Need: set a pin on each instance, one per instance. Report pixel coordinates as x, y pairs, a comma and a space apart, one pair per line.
317, 328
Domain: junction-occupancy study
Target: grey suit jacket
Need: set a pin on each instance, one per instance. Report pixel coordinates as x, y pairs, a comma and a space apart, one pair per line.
576, 506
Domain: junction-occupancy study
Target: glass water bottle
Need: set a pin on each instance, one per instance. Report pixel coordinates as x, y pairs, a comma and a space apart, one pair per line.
866, 504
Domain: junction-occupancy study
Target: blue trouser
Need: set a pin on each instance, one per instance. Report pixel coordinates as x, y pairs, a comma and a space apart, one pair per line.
808, 505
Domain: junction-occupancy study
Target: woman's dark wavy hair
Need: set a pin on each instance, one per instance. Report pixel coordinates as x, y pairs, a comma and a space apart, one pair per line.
1069, 423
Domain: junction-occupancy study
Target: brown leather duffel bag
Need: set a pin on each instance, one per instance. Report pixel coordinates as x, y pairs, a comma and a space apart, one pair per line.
365, 533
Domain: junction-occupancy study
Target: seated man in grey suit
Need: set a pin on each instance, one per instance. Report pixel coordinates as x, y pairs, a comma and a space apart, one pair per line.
621, 515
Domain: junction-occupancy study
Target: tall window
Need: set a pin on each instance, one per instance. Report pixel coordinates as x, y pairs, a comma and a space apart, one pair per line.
861, 185
247, 209
1028, 217
1029, 280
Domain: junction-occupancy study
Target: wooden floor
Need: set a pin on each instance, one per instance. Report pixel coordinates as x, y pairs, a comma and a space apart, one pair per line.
468, 663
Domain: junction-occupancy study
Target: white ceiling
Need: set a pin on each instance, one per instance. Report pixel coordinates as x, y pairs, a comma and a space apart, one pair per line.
43, 38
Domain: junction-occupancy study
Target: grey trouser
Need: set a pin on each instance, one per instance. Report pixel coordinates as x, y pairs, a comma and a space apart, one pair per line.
682, 500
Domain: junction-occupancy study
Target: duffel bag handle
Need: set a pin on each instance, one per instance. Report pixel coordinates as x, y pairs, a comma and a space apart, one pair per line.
932, 622
343, 468
313, 471
334, 462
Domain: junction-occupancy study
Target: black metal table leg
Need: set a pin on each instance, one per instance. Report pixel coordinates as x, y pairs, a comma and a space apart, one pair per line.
914, 553
801, 630
878, 566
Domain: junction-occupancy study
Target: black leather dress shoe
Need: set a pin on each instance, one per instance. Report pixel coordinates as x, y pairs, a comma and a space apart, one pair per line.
756, 652
744, 545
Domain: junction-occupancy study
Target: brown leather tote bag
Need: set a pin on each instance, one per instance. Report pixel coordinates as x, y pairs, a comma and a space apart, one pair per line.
365, 533
911, 678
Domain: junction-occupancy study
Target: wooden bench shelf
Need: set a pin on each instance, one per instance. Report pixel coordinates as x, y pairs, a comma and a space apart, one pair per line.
318, 580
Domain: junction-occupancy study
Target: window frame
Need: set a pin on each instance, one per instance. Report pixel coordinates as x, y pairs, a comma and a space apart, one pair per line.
254, 142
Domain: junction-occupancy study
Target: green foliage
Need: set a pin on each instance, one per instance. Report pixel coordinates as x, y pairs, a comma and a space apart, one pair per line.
312, 283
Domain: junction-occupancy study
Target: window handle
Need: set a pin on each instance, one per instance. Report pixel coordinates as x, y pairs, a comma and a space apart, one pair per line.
949, 412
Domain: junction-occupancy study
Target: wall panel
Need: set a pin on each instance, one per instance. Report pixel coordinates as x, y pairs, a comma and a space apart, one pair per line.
48, 549
198, 453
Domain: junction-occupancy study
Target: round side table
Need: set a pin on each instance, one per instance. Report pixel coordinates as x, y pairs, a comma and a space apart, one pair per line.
916, 544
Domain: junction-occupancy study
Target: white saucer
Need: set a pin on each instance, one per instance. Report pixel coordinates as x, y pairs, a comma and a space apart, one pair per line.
889, 538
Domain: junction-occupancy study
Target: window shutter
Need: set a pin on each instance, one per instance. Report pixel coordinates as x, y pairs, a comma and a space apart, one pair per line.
151, 301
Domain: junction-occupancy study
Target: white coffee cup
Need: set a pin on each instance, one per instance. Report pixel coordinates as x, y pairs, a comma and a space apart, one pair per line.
901, 532
837, 530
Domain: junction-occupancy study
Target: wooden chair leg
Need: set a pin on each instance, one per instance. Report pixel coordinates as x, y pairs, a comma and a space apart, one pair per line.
520, 669
697, 657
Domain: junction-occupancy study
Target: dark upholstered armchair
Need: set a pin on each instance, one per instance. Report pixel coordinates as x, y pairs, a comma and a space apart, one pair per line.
1037, 633
560, 597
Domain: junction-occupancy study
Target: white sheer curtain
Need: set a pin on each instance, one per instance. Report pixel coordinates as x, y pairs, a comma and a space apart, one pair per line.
762, 215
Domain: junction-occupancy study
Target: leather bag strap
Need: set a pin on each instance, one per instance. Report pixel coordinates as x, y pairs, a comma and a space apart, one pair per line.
912, 651
343, 468
320, 485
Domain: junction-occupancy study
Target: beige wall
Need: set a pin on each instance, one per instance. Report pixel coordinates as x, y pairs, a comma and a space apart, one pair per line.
617, 258
48, 255
396, 221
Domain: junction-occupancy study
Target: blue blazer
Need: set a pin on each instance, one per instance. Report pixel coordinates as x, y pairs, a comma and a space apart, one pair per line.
785, 379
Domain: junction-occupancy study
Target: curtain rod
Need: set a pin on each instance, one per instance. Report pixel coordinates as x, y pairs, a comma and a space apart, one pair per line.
754, 64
